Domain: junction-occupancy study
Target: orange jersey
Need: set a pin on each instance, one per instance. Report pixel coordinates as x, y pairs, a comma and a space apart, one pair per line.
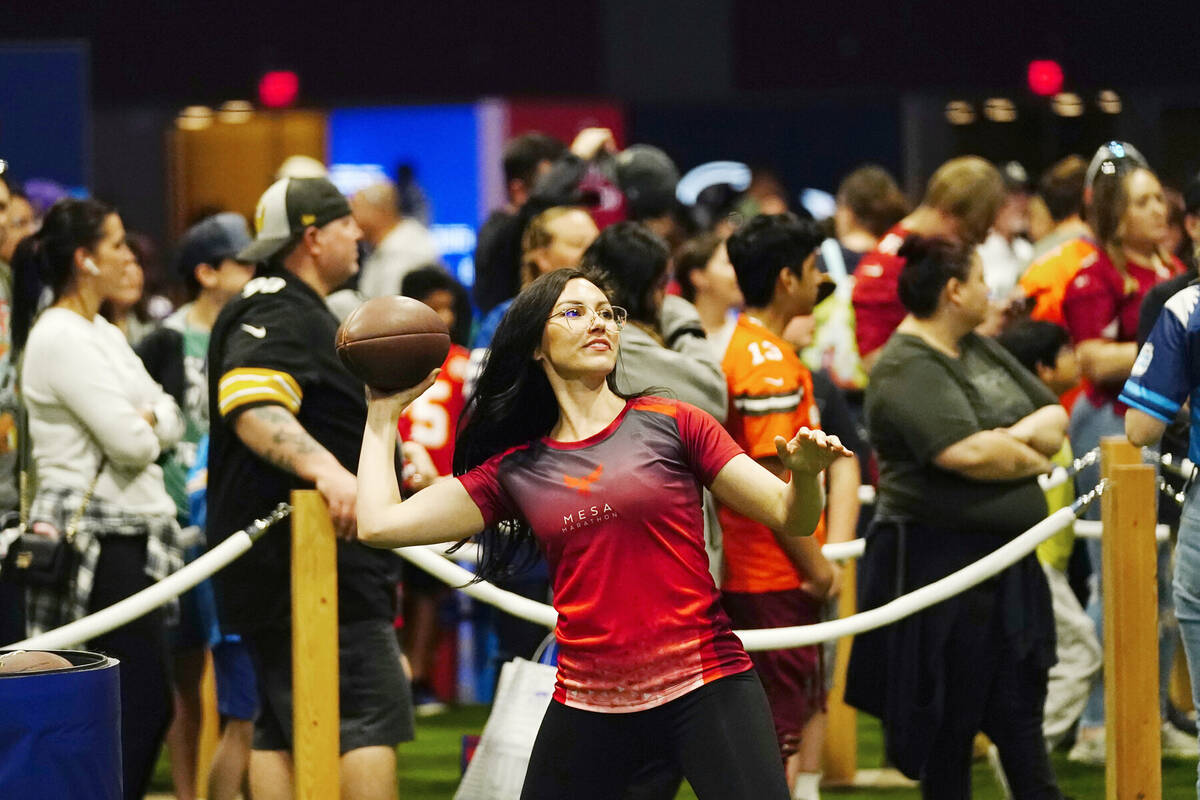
1047, 278
770, 394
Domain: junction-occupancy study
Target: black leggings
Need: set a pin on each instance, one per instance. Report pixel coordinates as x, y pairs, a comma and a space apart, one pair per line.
141, 647
720, 736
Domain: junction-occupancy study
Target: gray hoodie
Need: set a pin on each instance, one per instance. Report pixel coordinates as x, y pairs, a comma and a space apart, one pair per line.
686, 369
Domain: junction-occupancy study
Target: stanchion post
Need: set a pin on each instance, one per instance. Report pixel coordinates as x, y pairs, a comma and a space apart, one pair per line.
841, 728
1133, 764
315, 712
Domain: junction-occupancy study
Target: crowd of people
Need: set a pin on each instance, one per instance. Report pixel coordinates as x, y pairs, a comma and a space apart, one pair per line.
653, 421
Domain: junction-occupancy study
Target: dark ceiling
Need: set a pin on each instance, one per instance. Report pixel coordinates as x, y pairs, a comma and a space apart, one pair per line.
190, 51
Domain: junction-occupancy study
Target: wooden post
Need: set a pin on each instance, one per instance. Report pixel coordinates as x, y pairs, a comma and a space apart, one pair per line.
841, 727
1133, 767
315, 712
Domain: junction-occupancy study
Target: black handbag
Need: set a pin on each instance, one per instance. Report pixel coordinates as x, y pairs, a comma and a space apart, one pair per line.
33, 559
40, 561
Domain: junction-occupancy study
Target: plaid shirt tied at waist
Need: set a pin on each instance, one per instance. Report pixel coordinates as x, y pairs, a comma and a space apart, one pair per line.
46, 608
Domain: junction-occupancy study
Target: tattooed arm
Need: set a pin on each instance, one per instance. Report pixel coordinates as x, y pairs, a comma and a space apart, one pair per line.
278, 438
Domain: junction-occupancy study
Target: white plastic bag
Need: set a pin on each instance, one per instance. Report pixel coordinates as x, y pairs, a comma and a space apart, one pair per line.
497, 770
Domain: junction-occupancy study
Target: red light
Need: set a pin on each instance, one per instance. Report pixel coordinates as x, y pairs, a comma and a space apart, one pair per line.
278, 88
1045, 77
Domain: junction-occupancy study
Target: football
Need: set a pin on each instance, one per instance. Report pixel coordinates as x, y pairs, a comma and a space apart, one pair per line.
32, 661
391, 343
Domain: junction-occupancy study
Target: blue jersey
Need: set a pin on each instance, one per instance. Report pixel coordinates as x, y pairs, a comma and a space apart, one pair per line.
1167, 370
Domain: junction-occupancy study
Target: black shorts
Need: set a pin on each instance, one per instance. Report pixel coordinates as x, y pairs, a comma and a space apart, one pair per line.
374, 695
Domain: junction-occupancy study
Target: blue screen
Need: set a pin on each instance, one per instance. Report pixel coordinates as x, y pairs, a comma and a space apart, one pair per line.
45, 129
439, 143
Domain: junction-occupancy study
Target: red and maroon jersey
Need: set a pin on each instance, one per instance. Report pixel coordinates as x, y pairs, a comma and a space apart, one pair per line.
1097, 304
432, 419
876, 295
618, 516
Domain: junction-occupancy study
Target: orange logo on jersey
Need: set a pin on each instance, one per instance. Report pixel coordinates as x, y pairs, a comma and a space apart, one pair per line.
584, 485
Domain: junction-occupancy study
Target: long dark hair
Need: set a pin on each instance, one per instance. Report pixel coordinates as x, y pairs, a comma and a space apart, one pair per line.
513, 404
46, 259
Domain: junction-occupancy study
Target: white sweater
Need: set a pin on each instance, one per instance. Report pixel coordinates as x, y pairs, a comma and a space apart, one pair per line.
85, 390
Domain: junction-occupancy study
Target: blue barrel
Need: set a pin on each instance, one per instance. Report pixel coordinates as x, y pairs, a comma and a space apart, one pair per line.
60, 731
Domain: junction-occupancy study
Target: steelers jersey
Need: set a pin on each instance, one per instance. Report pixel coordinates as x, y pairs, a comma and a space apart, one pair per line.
274, 346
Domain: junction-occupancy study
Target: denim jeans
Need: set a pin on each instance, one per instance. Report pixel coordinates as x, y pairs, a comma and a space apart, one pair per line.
1187, 590
1088, 425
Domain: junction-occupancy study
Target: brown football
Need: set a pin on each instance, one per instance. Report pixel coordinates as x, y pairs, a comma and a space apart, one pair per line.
391, 343
33, 661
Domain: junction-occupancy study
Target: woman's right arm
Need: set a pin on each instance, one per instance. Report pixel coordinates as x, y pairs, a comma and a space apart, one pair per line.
992, 456
443, 512
1044, 430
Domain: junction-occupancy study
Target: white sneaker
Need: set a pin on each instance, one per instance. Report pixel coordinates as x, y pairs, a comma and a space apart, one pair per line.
1089, 750
1177, 744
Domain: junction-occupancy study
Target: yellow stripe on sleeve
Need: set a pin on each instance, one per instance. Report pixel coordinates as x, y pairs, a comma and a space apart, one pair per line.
239, 387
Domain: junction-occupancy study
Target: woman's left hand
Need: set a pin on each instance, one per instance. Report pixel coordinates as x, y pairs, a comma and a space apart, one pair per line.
810, 451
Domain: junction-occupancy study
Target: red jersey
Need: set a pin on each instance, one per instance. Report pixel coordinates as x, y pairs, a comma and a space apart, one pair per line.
876, 296
618, 516
432, 418
770, 394
1098, 304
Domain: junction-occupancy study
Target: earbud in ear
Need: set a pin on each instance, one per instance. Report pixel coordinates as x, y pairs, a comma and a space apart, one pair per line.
90, 266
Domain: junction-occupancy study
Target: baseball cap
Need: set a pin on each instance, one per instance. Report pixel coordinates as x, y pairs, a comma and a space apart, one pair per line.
647, 177
211, 241
286, 209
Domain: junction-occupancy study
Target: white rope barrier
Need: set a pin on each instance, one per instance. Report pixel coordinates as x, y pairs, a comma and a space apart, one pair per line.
844, 551
150, 598
1060, 475
1093, 528
432, 559
918, 600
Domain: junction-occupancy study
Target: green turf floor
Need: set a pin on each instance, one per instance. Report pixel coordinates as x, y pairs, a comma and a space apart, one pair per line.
429, 766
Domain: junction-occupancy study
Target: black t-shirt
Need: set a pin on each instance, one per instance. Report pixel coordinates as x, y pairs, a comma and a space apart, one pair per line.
273, 345
921, 401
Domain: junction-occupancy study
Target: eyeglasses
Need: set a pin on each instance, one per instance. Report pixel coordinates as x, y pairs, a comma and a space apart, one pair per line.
579, 317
